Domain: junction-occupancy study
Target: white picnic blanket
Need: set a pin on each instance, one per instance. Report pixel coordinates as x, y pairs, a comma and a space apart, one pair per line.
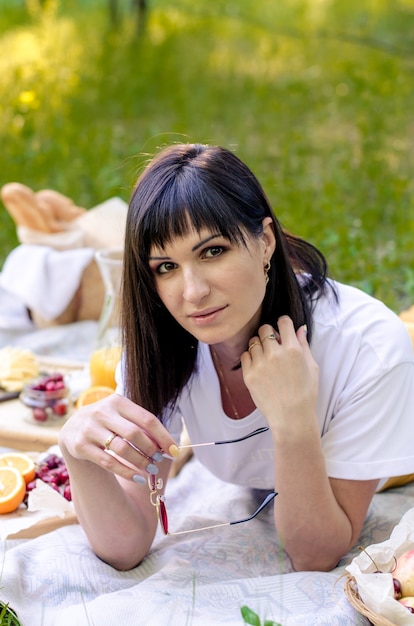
191, 580
200, 579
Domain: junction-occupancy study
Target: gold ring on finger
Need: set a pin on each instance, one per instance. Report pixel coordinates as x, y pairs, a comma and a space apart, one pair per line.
272, 336
252, 345
109, 440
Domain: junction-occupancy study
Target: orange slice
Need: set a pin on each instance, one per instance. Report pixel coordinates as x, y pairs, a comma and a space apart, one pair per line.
21, 462
93, 394
12, 489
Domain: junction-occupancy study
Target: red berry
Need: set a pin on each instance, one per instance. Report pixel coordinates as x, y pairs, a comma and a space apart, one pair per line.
51, 461
39, 415
60, 409
39, 387
51, 478
52, 470
63, 474
397, 588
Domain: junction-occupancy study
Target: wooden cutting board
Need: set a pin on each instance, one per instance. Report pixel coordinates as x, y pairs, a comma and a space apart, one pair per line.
19, 431
17, 428
45, 526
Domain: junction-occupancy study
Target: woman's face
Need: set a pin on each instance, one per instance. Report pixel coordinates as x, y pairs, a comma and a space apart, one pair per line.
213, 288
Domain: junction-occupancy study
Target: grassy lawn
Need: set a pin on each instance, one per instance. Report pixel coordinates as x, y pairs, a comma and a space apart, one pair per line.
317, 96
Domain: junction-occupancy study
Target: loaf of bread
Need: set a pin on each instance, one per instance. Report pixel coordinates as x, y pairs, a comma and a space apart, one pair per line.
45, 211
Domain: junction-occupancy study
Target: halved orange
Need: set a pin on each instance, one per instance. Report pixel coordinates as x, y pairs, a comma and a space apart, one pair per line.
12, 489
21, 462
93, 394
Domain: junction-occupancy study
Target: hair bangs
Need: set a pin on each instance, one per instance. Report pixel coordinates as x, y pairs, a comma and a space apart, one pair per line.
188, 205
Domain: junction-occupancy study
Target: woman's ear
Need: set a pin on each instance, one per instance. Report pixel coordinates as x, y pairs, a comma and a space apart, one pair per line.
268, 237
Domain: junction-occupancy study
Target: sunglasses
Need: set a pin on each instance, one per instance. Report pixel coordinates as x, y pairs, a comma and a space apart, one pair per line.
158, 500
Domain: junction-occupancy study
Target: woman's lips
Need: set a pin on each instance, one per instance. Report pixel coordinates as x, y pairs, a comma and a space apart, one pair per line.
207, 316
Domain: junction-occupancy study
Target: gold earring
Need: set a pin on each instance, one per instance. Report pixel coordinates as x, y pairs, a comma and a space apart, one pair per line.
266, 271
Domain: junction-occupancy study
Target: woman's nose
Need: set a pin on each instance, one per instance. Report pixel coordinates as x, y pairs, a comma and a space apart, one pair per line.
195, 286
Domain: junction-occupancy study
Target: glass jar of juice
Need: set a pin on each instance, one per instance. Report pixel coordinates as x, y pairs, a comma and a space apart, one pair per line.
107, 353
102, 365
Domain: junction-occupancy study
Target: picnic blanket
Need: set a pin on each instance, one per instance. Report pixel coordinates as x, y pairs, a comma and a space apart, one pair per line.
198, 579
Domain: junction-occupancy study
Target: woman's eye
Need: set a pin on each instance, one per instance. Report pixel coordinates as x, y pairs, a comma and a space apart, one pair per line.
165, 267
214, 251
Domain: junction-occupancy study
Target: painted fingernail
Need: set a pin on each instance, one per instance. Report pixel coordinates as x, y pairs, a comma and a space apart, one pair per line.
173, 450
167, 456
140, 480
157, 457
152, 469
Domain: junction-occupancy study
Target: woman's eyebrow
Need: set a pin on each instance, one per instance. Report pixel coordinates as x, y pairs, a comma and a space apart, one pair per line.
193, 249
201, 243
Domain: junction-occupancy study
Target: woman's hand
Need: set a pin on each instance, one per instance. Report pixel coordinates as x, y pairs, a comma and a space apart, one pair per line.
110, 447
282, 378
135, 438
280, 373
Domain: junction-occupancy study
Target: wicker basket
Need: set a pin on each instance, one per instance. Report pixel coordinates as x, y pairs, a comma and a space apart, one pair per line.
351, 592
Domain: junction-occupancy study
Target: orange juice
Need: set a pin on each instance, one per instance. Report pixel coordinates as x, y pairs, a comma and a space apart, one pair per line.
102, 366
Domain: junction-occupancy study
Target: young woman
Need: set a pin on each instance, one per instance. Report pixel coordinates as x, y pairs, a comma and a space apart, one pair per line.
232, 324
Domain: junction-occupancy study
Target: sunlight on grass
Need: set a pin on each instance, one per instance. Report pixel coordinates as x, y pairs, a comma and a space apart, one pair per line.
38, 70
259, 58
315, 95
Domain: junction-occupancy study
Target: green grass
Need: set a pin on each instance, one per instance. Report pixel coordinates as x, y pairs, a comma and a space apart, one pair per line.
7, 616
317, 96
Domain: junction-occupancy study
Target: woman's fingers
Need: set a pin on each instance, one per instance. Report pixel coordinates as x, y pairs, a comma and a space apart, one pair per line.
116, 433
128, 452
267, 335
279, 370
134, 424
130, 471
285, 334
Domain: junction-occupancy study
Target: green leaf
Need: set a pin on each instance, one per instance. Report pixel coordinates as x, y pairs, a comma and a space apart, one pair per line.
249, 616
7, 616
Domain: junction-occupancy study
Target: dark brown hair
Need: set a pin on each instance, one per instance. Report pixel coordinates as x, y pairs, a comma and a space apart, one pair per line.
199, 186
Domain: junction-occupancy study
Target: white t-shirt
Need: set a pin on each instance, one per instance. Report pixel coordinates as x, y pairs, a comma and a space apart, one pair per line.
365, 403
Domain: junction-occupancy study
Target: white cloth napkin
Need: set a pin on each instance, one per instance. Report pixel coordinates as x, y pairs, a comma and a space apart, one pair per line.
44, 279
13, 314
44, 503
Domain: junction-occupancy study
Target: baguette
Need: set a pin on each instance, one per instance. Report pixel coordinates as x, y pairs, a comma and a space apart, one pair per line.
45, 211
